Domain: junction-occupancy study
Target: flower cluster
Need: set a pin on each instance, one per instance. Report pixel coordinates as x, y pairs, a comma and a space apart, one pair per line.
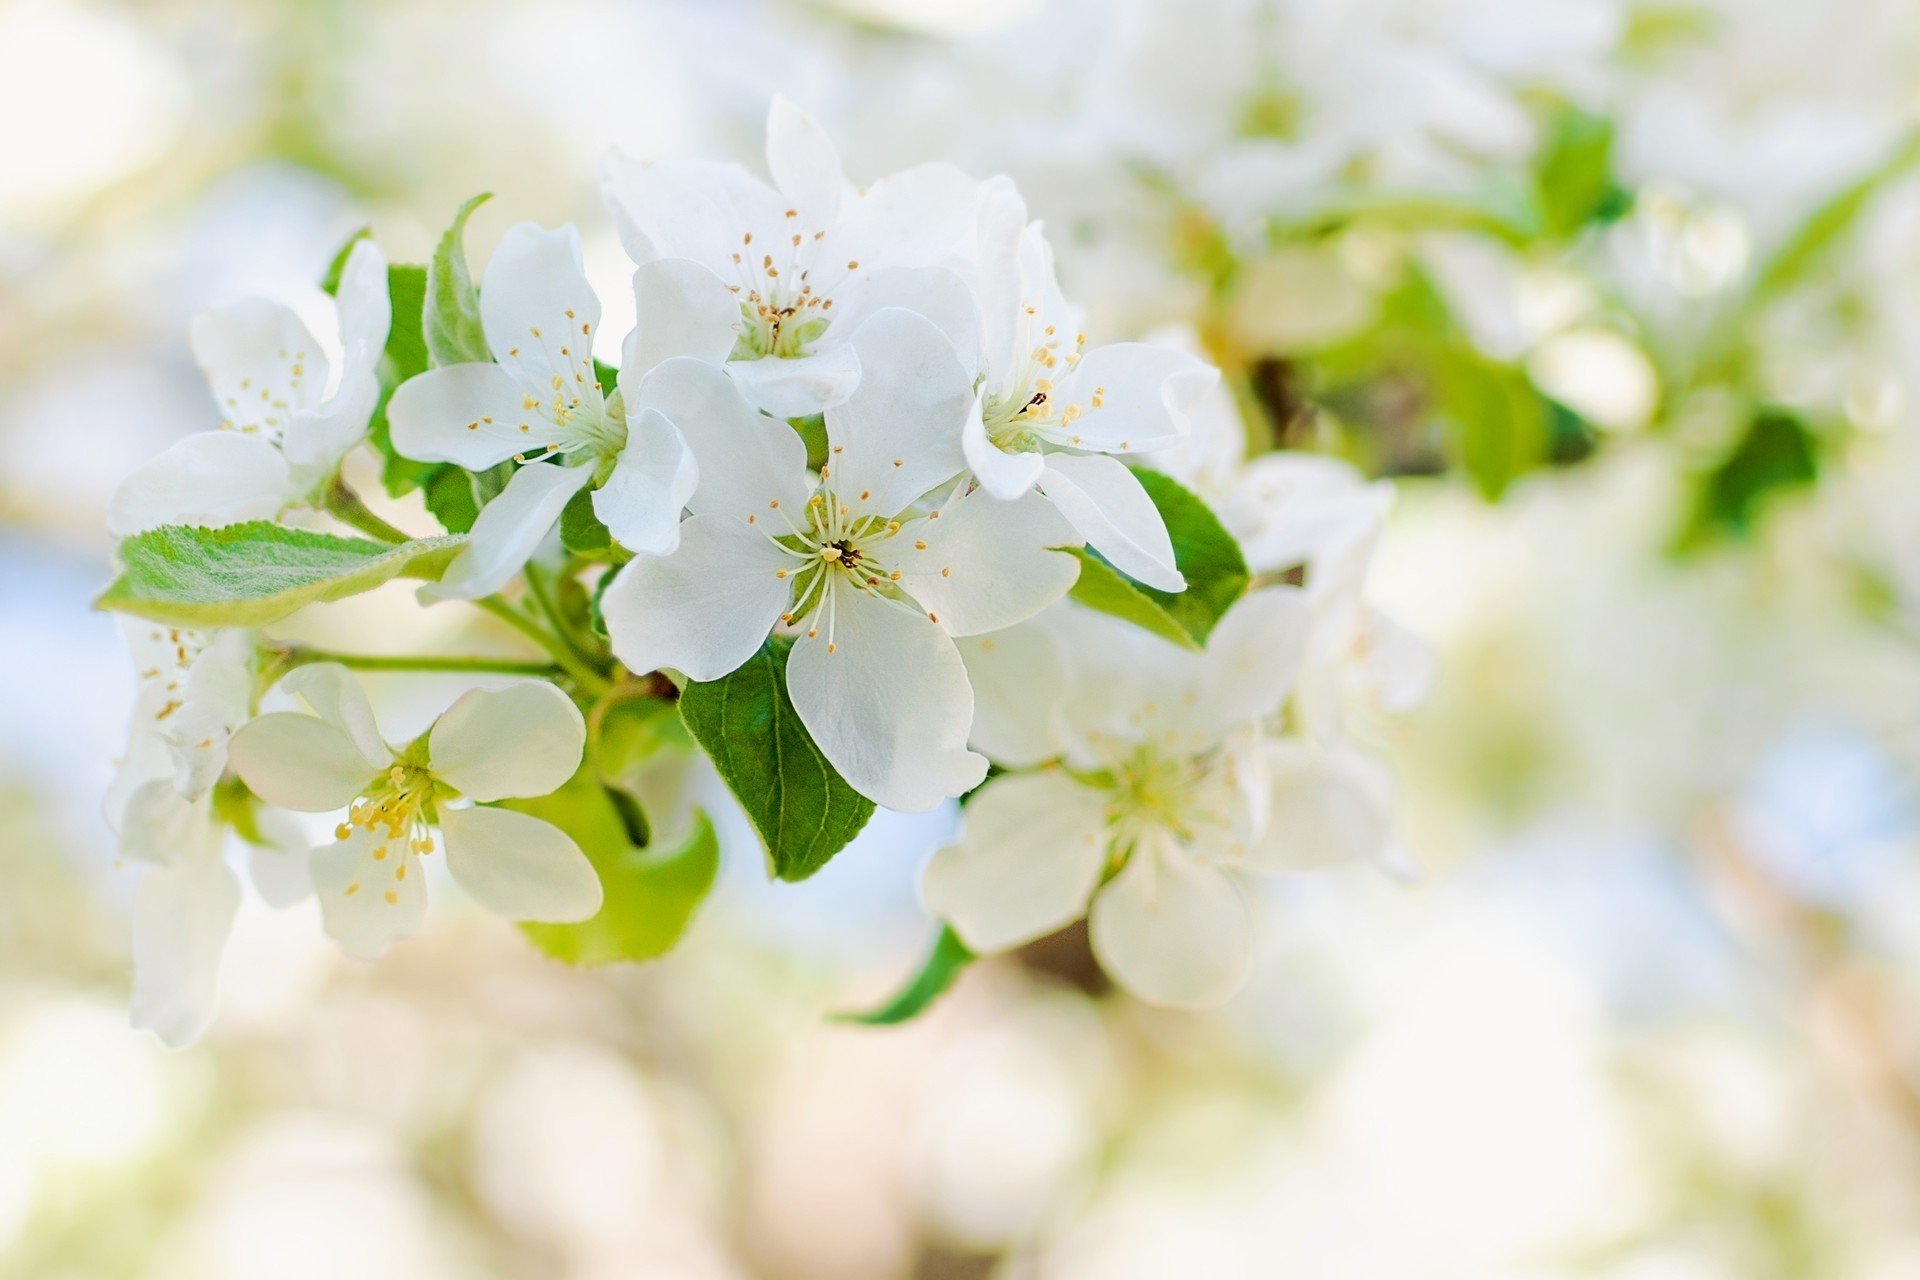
861, 499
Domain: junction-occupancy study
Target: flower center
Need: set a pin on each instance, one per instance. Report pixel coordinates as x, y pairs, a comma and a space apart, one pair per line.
836, 548
397, 813
1028, 412
783, 305
585, 419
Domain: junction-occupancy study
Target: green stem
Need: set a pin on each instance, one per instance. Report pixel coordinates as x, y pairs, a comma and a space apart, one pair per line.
345, 505
540, 587
587, 678
301, 655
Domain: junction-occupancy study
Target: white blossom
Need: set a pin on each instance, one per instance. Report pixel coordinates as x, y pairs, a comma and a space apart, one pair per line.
1169, 785
775, 280
285, 425
874, 566
542, 403
524, 740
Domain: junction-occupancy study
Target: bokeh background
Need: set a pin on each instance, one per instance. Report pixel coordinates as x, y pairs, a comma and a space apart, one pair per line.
1625, 294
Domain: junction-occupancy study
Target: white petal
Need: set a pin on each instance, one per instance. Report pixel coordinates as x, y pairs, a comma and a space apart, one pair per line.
1004, 475
364, 302
746, 460
1019, 679
642, 499
797, 386
804, 164
261, 362
534, 300
364, 922
317, 439
920, 216
935, 294
519, 866
1253, 657
524, 740
299, 762
661, 211
211, 478
1002, 219
890, 706
1325, 808
702, 610
161, 826
1106, 503
508, 531
470, 414
217, 699
182, 916
984, 564
898, 434
1147, 392
682, 309
335, 695
1402, 664
279, 868
1172, 931
1031, 850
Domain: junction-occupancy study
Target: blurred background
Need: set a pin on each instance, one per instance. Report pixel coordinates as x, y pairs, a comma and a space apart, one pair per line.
1626, 297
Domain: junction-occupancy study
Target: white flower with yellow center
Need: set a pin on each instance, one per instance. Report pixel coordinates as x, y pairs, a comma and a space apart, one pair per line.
402, 805
1168, 788
874, 566
774, 280
291, 408
1052, 411
541, 403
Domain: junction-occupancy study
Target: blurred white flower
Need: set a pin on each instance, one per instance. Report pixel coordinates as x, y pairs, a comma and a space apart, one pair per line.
1168, 789
286, 426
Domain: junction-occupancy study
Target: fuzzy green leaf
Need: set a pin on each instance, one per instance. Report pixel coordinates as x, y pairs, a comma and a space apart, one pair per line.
803, 809
248, 575
454, 334
1206, 554
944, 963
651, 893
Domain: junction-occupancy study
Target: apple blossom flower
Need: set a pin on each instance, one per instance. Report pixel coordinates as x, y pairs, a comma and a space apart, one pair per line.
542, 404
286, 428
195, 689
1170, 785
873, 576
524, 740
775, 280
1051, 412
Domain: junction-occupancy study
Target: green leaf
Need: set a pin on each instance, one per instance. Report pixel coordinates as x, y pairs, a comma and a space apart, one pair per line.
1101, 586
948, 957
1501, 427
452, 320
804, 811
651, 893
1779, 454
580, 528
1575, 178
1206, 554
1831, 221
247, 575
331, 280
